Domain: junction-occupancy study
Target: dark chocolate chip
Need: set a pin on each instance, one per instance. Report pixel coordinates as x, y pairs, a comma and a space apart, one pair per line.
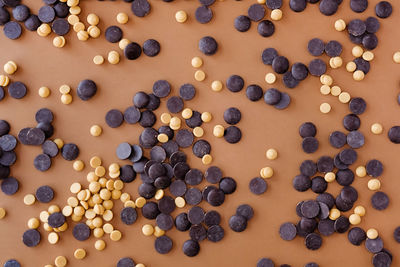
280, 64
203, 14
374, 245
272, 96
31, 238
182, 222
235, 83
191, 248
151, 48
232, 134
310, 144
208, 45
268, 55
242, 23
42, 162
356, 236
211, 218
383, 9
16, 90
128, 215
374, 168
313, 241
301, 183
238, 223
258, 186
317, 67
86, 89
44, 194
187, 91
287, 231
9, 186
140, 8
316, 47
163, 244
380, 201
193, 196
114, 118
132, 51
227, 185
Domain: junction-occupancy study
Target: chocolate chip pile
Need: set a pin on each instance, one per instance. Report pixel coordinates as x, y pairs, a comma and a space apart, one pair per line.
171, 192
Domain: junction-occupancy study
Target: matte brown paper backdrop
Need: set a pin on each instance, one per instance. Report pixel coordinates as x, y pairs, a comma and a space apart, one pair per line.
263, 127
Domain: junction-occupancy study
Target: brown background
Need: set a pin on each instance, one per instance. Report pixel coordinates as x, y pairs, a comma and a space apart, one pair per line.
40, 64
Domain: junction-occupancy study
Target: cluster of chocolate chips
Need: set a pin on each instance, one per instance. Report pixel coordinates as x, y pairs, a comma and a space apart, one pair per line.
167, 167
39, 136
256, 13
53, 12
324, 213
8, 142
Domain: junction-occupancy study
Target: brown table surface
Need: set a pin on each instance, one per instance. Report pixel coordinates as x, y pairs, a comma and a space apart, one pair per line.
263, 127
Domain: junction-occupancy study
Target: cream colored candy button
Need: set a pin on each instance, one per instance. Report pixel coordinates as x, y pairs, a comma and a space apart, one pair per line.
147, 230
360, 210
29, 199
113, 57
198, 131
79, 254
334, 214
271, 154
358, 75
218, 131
44, 92
396, 57
325, 108
140, 201
376, 128
357, 51
340, 25
276, 14
2, 213
82, 35
59, 41
33, 223
181, 16
79, 26
374, 184
158, 232
351, 66
270, 78
325, 89
344, 97
266, 172
180, 202
330, 177
163, 138
72, 19
98, 59
92, 19
187, 113
355, 219
123, 43
60, 261
199, 75
165, 118
216, 86
206, 116
100, 245
122, 18
206, 159
372, 233
96, 130
368, 56
78, 165
93, 31
66, 99
197, 62
53, 238
336, 90
361, 171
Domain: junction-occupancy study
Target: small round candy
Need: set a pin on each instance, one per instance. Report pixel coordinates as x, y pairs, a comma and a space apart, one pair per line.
181, 16
122, 18
44, 92
96, 130
271, 154
372, 233
376, 128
